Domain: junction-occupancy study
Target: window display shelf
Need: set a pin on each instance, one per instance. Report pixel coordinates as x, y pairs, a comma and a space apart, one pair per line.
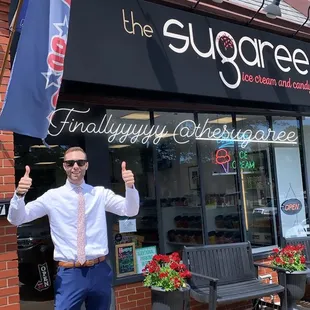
259, 244
260, 226
188, 229
150, 242
182, 207
147, 228
232, 173
182, 243
182, 226
220, 207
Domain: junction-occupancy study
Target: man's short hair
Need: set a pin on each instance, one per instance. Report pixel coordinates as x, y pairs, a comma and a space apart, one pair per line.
75, 149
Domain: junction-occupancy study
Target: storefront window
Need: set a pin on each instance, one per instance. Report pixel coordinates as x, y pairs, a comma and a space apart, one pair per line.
289, 179
226, 164
143, 230
220, 181
179, 182
257, 187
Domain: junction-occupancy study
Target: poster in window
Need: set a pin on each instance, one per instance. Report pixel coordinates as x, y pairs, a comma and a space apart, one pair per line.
144, 256
290, 192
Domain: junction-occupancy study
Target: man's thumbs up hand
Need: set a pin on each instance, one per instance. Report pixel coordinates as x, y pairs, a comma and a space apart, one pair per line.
24, 183
127, 176
123, 166
27, 172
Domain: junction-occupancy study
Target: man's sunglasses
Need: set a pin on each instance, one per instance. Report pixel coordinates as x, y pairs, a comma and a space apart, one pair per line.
80, 162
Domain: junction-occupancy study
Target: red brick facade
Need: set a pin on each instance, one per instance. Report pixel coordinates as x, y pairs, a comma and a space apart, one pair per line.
133, 296
136, 297
9, 283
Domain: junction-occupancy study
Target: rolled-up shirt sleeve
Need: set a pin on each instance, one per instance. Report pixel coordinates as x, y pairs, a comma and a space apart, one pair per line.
123, 206
20, 213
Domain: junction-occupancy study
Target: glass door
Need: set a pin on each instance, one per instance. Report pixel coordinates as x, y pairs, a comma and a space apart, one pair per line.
222, 196
291, 193
257, 185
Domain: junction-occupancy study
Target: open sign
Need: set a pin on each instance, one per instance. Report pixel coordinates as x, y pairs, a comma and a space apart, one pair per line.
291, 206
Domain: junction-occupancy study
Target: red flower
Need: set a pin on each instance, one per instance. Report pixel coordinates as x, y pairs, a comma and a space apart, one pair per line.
153, 267
176, 282
185, 274
163, 275
278, 260
174, 266
175, 257
276, 250
303, 260
157, 257
182, 267
299, 247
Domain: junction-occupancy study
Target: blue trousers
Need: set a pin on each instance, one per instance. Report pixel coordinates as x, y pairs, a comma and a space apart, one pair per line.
91, 285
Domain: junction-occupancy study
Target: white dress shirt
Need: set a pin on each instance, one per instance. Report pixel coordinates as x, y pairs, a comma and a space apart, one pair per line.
61, 206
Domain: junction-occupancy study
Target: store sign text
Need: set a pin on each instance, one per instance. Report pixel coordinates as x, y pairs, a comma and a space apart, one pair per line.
45, 282
182, 133
224, 45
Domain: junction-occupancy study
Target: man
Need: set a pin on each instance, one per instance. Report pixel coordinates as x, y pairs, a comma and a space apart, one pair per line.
77, 219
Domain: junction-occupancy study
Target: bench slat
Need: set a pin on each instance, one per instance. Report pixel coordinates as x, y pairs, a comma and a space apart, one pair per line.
244, 291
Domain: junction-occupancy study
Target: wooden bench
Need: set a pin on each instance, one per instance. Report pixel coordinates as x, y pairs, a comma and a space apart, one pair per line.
223, 274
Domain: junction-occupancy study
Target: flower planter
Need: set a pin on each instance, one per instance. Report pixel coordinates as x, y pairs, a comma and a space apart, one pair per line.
175, 300
292, 259
296, 285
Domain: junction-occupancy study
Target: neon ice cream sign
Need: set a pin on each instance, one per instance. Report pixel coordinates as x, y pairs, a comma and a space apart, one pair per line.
223, 158
183, 132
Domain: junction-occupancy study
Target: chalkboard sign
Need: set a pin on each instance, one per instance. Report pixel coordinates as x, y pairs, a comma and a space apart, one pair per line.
125, 259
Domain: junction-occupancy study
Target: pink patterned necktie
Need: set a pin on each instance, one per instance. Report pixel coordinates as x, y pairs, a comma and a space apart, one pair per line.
81, 228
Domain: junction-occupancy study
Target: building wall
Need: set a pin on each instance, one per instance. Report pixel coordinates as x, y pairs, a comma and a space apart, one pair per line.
130, 296
9, 283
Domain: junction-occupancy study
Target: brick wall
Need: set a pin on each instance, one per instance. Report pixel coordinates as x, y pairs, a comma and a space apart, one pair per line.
9, 283
132, 296
136, 297
265, 271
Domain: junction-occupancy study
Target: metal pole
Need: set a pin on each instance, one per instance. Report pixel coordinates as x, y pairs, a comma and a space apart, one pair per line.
194, 7
11, 36
248, 23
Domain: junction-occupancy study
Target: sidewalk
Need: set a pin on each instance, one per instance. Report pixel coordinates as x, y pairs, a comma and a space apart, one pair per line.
49, 305
303, 305
36, 305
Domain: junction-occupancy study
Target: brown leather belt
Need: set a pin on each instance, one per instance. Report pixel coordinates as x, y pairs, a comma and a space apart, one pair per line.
88, 263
